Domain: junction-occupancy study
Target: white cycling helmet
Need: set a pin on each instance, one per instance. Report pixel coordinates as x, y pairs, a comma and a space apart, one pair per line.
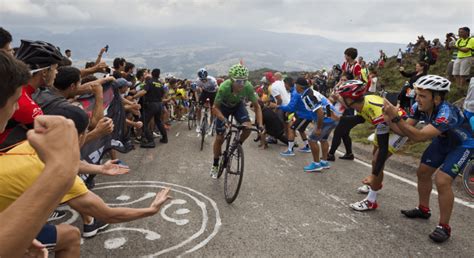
433, 82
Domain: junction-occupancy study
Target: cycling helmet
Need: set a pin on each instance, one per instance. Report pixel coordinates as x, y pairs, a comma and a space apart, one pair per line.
353, 89
193, 85
38, 54
202, 74
238, 72
433, 82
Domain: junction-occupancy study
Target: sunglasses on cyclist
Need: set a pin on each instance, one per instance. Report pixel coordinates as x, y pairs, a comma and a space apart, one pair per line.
240, 82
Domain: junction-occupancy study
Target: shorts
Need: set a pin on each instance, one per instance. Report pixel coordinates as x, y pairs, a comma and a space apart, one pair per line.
207, 95
462, 66
239, 112
449, 68
48, 236
300, 124
325, 132
395, 142
449, 159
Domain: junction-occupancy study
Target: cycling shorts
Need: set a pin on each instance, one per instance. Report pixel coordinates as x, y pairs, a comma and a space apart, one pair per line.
207, 95
449, 159
239, 112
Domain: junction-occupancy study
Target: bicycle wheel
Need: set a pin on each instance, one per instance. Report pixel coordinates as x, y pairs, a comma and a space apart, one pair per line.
190, 118
213, 127
223, 159
234, 172
203, 131
468, 178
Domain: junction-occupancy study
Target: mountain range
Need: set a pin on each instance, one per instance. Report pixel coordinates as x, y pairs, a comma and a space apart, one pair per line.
182, 51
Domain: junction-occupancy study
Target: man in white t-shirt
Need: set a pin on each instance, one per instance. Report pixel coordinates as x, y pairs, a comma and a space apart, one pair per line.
279, 92
282, 97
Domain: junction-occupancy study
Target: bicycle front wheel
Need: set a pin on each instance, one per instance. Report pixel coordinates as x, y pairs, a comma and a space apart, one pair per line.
234, 172
468, 178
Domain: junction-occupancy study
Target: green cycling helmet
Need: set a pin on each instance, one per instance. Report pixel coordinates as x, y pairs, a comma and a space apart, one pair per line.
239, 72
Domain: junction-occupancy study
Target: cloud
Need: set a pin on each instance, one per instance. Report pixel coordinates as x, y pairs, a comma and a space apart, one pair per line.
22, 8
357, 20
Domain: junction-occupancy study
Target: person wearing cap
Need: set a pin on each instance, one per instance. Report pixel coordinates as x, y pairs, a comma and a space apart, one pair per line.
153, 109
42, 58
445, 157
324, 121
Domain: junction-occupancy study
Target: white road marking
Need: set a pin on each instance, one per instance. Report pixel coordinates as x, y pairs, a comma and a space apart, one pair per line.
114, 243
392, 175
144, 197
179, 222
123, 198
150, 235
182, 211
217, 225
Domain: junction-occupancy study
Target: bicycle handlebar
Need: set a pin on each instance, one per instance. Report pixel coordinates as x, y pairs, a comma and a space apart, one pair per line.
243, 127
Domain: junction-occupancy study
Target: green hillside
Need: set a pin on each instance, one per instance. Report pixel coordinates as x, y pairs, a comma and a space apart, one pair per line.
391, 78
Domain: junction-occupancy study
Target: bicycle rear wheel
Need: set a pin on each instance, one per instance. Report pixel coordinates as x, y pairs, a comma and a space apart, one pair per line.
234, 172
468, 178
203, 131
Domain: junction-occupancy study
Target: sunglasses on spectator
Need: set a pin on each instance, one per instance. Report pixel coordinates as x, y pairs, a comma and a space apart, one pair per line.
39, 69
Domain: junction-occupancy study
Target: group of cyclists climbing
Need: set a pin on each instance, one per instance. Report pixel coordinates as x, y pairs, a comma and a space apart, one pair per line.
39, 80
444, 124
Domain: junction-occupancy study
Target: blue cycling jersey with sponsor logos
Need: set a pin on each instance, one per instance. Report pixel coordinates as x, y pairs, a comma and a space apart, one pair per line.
448, 119
297, 106
313, 100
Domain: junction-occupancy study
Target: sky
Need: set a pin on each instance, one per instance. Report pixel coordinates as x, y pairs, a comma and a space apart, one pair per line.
397, 21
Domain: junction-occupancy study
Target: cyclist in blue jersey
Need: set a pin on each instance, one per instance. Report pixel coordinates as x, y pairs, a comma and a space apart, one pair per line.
448, 129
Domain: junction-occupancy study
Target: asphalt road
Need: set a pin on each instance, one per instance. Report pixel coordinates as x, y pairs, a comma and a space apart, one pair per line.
281, 210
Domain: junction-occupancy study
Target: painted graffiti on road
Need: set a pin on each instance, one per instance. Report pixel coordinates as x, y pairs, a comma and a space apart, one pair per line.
186, 223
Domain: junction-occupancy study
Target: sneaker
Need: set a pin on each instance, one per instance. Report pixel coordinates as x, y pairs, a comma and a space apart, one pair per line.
57, 214
156, 135
363, 189
346, 156
198, 129
214, 172
331, 157
313, 167
93, 229
416, 213
271, 140
287, 153
305, 149
364, 205
440, 234
164, 140
147, 145
324, 164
